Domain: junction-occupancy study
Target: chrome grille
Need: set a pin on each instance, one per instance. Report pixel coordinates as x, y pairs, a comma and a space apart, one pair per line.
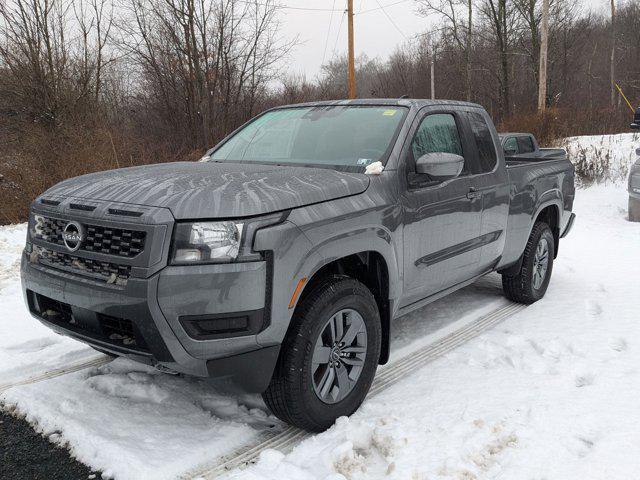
99, 239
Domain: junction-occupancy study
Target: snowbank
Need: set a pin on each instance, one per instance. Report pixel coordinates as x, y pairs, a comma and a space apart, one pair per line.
133, 422
602, 158
12, 239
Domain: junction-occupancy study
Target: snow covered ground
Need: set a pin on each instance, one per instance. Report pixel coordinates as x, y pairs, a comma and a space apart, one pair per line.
26, 347
133, 422
552, 393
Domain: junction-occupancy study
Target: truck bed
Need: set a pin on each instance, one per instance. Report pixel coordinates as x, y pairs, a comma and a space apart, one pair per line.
551, 176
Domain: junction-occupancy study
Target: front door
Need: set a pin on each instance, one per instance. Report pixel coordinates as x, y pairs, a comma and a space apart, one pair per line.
442, 220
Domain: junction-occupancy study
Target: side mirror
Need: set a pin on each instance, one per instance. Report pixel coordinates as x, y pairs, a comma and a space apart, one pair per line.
440, 166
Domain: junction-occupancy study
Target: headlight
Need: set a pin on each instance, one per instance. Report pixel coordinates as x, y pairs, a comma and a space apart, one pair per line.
207, 242
218, 242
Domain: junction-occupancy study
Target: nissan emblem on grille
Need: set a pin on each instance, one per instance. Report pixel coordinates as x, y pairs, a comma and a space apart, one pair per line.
73, 235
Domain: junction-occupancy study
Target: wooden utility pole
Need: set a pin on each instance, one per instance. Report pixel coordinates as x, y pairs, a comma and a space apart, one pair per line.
352, 60
613, 53
544, 49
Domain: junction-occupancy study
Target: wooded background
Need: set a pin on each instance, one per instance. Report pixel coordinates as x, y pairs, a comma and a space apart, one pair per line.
89, 85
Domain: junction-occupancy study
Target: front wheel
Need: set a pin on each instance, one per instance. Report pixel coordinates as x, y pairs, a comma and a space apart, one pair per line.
530, 283
329, 356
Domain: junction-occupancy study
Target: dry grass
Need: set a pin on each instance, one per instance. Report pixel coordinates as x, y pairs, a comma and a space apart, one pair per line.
35, 157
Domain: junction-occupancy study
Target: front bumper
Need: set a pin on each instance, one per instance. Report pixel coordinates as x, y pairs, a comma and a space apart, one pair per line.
151, 319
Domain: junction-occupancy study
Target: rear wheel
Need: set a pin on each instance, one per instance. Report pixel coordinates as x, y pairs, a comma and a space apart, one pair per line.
634, 209
530, 284
329, 356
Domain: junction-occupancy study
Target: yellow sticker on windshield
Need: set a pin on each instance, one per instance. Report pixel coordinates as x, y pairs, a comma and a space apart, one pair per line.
389, 113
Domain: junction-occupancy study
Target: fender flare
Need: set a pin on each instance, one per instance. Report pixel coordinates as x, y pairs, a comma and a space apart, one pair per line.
549, 198
367, 239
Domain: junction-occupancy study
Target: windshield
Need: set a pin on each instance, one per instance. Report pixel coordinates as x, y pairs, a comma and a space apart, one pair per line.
341, 136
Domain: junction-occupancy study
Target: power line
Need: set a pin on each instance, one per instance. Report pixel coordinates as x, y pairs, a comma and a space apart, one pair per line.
308, 9
335, 46
316, 9
326, 42
287, 7
382, 7
390, 19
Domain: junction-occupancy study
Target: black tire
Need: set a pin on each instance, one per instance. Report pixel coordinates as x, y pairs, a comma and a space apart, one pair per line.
291, 395
521, 287
634, 210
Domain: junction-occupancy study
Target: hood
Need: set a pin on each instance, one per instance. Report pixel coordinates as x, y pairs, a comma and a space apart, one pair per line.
193, 190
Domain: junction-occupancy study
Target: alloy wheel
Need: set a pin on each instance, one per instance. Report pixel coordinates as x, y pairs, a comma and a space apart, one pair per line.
540, 263
339, 356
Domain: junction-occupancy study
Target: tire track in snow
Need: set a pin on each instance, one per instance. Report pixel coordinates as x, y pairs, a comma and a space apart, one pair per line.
285, 440
57, 372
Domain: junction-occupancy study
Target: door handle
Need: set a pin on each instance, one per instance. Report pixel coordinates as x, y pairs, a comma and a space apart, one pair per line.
473, 193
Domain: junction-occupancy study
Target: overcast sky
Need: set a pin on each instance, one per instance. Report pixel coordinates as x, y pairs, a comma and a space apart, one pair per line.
375, 33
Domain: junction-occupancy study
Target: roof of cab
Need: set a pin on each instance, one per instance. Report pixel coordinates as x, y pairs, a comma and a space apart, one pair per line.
400, 102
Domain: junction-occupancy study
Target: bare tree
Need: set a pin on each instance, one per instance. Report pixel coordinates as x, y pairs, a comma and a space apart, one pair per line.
206, 59
500, 18
459, 28
613, 53
87, 85
54, 50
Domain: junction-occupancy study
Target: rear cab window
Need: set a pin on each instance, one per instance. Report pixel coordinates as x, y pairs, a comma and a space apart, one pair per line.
511, 146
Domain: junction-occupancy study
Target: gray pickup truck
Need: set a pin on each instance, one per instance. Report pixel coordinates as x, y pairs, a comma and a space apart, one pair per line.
279, 262
523, 147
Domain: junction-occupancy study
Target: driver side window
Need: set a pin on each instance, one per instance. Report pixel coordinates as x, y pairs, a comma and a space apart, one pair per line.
437, 133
